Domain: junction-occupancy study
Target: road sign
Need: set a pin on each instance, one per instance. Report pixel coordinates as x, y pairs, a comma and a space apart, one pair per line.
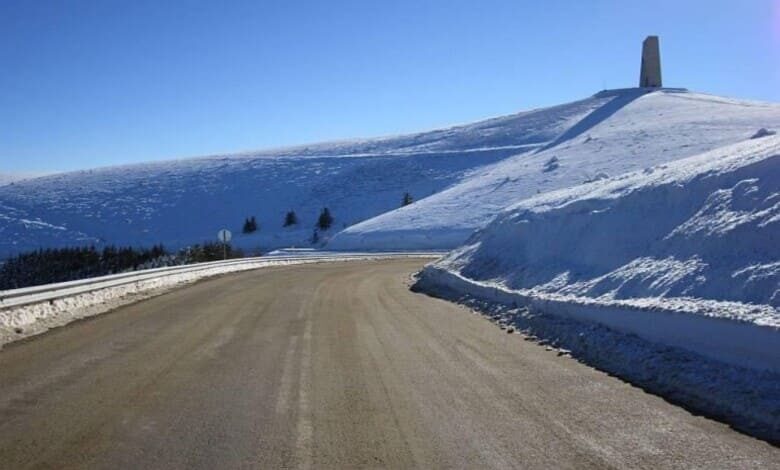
224, 235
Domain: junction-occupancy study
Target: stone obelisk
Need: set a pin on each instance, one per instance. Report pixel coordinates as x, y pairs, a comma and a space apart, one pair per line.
650, 75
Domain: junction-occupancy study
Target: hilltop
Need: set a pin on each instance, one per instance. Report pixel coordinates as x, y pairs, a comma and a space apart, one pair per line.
460, 178
187, 201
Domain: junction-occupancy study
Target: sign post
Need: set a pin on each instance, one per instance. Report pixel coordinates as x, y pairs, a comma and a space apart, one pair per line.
224, 236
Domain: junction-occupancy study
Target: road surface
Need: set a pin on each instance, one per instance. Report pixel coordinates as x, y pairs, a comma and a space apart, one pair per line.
332, 365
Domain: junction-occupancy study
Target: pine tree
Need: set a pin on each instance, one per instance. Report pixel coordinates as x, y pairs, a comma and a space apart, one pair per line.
325, 220
66, 264
250, 225
290, 219
407, 200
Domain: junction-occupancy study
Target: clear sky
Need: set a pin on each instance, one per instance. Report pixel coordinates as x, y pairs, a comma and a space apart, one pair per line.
96, 83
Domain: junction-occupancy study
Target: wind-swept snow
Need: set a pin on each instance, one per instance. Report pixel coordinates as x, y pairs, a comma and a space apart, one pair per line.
696, 238
630, 130
186, 201
8, 178
460, 178
705, 227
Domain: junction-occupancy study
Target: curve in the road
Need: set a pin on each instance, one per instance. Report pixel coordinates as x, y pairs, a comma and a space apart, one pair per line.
329, 366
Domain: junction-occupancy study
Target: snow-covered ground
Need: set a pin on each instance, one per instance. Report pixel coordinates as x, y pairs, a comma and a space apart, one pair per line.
703, 227
460, 178
8, 178
681, 258
187, 201
627, 130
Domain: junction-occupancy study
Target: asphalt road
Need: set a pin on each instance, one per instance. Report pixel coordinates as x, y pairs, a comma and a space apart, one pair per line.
330, 366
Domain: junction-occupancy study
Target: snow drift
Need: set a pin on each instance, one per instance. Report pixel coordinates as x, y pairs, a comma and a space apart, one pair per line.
706, 227
698, 237
628, 130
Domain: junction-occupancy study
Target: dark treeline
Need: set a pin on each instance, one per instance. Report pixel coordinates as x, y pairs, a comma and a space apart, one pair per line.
68, 264
250, 225
210, 251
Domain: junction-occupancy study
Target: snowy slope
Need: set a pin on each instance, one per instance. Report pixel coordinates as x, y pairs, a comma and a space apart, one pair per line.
7, 178
630, 130
705, 227
187, 201
461, 177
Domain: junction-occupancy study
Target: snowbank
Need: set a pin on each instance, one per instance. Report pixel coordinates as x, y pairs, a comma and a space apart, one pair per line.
698, 326
629, 130
698, 237
705, 227
746, 397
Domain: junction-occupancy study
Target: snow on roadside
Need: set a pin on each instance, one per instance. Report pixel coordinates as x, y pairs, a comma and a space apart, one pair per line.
706, 227
673, 269
17, 322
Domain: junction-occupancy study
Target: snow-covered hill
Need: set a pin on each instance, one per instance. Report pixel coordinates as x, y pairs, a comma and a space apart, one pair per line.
7, 178
629, 130
187, 201
460, 177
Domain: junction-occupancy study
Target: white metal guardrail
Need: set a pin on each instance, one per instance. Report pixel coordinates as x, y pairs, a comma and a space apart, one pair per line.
50, 292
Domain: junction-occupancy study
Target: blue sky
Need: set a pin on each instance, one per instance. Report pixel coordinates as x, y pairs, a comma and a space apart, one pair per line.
96, 83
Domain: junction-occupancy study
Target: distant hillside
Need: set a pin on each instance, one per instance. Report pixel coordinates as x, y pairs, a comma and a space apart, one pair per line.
187, 201
628, 130
6, 178
459, 177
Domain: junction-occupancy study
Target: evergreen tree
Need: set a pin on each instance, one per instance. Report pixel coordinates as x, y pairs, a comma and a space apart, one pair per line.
290, 219
325, 220
407, 199
209, 251
67, 264
250, 225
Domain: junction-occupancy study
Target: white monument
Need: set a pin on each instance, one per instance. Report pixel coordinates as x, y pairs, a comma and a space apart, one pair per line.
650, 75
